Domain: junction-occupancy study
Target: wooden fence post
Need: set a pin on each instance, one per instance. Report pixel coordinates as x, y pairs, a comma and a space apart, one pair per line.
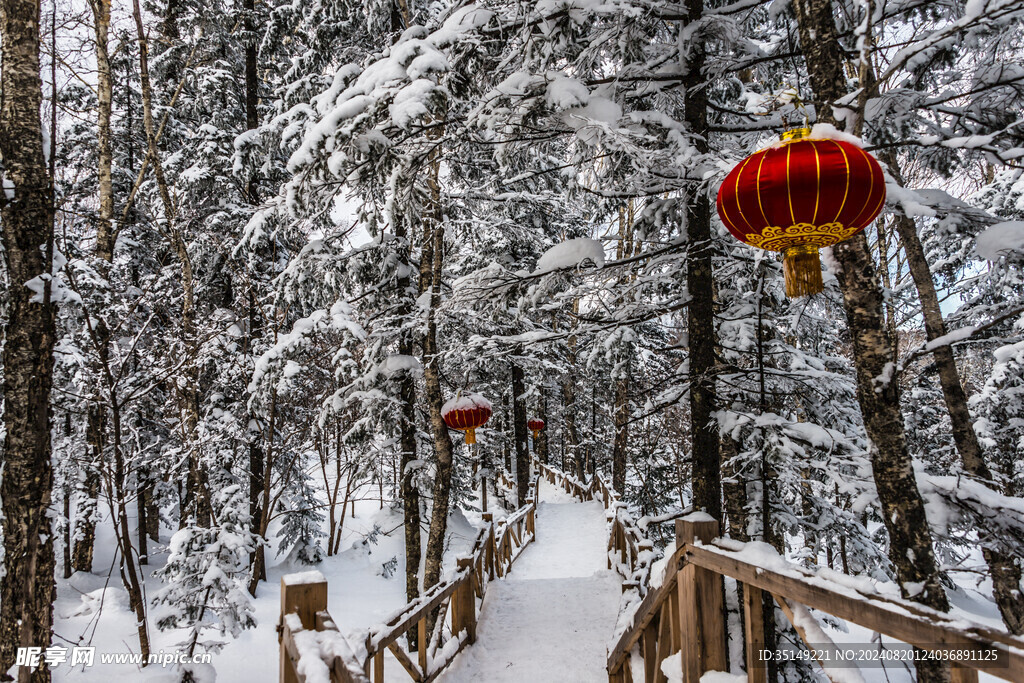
304, 594
464, 604
701, 611
753, 630
489, 546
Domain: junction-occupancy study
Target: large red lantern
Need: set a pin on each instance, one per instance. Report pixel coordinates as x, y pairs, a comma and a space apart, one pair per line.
466, 413
798, 196
535, 425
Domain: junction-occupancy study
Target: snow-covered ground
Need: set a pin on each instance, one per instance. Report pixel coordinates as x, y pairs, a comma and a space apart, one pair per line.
551, 618
361, 593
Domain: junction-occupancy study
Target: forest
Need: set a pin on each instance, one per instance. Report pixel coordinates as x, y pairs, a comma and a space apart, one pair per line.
255, 253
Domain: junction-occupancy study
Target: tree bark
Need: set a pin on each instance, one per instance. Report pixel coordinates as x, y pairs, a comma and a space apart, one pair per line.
621, 441
27, 590
910, 542
431, 263
706, 473
522, 435
571, 438
85, 532
407, 396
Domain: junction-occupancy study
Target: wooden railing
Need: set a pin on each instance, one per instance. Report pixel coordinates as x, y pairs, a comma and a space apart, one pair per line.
566, 482
685, 614
307, 629
442, 620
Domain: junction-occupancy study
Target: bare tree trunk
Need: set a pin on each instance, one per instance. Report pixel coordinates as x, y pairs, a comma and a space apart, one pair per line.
26, 215
259, 566
85, 532
734, 489
410, 492
431, 264
522, 435
621, 442
910, 542
706, 474
131, 574
571, 437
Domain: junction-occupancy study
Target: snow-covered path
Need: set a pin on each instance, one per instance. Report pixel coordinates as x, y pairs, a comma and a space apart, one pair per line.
550, 619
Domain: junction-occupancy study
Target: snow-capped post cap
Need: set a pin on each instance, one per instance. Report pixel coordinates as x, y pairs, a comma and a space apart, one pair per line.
466, 413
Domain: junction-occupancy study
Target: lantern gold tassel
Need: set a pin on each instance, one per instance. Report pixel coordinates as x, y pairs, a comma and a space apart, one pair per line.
802, 269
470, 436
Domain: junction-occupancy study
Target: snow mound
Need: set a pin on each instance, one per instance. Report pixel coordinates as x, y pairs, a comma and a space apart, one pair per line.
465, 402
826, 131
1000, 238
570, 254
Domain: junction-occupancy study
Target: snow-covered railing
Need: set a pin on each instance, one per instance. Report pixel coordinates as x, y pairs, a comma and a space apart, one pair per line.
567, 482
441, 622
684, 614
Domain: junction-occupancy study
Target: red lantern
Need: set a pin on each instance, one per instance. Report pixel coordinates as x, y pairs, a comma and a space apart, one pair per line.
535, 425
801, 195
466, 413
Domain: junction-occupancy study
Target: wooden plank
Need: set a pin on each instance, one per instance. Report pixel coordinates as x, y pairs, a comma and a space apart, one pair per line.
800, 631
753, 632
701, 610
649, 648
421, 643
898, 619
666, 647
289, 656
378, 667
400, 654
464, 607
689, 623
439, 666
963, 674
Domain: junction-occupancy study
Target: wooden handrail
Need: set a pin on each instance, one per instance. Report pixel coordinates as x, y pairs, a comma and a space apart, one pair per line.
685, 614
453, 603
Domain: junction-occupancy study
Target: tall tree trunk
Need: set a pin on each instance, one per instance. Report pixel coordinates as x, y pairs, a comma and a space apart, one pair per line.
27, 589
706, 474
406, 293
522, 435
621, 441
571, 437
85, 531
131, 574
431, 263
910, 542
1004, 568
255, 433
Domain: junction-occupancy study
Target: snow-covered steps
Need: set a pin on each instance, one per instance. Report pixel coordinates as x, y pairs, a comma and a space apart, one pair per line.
551, 618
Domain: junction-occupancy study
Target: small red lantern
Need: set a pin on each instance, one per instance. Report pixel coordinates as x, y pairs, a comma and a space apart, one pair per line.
466, 413
798, 196
535, 425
